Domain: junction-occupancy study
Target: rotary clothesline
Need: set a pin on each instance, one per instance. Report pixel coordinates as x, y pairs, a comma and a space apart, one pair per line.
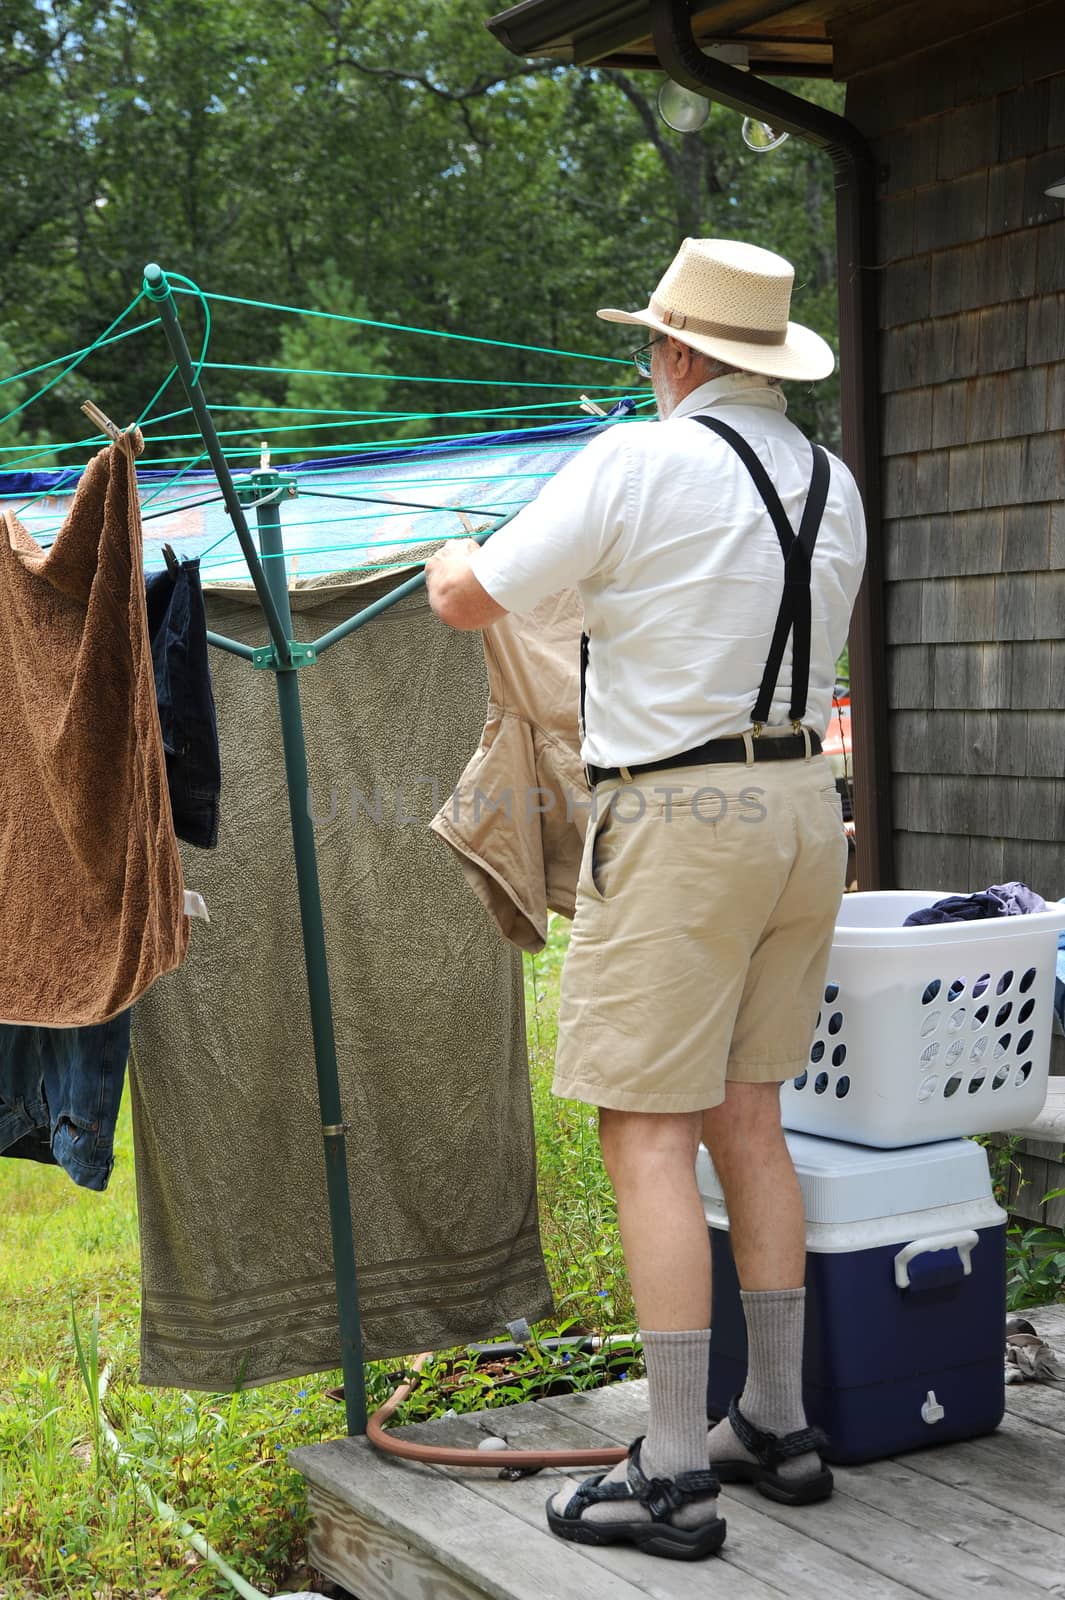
264, 492
183, 285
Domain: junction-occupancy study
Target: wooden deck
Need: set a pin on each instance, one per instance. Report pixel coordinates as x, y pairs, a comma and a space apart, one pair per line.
986, 1517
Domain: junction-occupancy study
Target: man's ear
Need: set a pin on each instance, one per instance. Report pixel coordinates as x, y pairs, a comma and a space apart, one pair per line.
683, 356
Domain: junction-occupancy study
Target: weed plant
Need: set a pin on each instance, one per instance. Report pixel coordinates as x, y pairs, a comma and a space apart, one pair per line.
1035, 1254
72, 1520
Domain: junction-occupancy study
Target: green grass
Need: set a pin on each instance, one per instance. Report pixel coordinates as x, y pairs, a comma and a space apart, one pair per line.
71, 1521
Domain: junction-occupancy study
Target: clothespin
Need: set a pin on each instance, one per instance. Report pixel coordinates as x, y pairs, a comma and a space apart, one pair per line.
172, 564
102, 421
264, 456
591, 407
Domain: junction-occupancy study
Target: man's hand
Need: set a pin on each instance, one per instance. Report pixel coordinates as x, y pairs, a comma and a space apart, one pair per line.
454, 593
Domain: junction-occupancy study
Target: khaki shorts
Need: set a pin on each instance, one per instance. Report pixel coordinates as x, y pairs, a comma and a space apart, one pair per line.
706, 906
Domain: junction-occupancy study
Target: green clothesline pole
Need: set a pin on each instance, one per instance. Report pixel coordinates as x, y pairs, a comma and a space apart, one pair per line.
159, 292
272, 587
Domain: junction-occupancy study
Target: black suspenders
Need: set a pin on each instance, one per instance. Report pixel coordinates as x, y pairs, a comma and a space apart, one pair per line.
797, 550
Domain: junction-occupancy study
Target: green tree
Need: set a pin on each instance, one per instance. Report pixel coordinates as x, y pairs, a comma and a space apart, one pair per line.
360, 154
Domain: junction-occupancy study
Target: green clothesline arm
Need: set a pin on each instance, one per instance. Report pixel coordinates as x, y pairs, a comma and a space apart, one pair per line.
234, 646
159, 292
401, 592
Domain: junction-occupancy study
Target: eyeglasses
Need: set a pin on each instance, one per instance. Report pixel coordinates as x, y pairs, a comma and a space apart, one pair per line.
642, 357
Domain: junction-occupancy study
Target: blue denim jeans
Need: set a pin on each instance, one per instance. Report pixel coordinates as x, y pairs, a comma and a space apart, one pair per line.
60, 1089
177, 625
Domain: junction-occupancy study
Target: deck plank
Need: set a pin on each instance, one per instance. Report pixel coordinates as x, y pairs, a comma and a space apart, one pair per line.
1016, 1546
533, 1426
422, 1532
1050, 1322
1018, 1469
856, 1531
1039, 1403
986, 1515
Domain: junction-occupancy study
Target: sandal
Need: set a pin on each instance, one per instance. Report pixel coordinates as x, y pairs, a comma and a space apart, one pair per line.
659, 1496
769, 1450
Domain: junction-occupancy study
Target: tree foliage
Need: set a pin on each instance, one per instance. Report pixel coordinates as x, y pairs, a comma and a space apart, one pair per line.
358, 154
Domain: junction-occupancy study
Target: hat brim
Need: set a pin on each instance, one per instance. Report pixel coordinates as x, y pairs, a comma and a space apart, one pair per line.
802, 355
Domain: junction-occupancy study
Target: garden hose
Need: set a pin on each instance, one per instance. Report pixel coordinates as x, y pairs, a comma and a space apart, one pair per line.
488, 1455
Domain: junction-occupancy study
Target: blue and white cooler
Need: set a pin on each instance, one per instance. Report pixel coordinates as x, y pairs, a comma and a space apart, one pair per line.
905, 1303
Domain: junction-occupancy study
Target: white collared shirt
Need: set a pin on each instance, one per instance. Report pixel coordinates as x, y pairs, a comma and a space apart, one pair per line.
661, 529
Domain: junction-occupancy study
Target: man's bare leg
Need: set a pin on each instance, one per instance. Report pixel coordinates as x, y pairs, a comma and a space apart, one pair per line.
651, 1162
650, 1159
768, 1233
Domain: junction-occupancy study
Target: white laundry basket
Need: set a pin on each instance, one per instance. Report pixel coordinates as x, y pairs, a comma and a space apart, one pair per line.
928, 1032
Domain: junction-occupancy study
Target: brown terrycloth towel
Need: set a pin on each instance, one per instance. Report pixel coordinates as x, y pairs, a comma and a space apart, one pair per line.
91, 893
517, 817
428, 1002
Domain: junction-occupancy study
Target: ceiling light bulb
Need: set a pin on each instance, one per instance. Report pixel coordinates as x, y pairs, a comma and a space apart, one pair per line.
760, 136
681, 109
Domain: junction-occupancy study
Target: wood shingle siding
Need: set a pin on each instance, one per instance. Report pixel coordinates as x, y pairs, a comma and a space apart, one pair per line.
971, 268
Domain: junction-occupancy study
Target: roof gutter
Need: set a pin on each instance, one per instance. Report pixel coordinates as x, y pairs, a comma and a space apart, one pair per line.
680, 56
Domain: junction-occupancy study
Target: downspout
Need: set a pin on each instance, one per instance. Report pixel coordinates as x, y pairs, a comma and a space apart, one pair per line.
681, 57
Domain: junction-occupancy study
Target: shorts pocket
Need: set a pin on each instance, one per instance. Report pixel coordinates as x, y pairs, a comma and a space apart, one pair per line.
591, 881
834, 804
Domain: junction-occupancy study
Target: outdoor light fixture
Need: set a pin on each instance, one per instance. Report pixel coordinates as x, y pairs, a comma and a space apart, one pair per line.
686, 110
760, 136
1056, 190
682, 109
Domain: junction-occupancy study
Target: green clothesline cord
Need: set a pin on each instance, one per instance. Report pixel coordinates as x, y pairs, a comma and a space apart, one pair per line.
367, 516
389, 377
104, 337
164, 488
373, 544
370, 417
342, 549
31, 372
188, 463
401, 327
76, 362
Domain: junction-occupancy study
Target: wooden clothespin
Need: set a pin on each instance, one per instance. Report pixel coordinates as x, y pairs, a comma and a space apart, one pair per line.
264, 456
591, 407
173, 566
102, 421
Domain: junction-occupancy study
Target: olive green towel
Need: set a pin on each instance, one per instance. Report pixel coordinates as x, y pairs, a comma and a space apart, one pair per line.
236, 1259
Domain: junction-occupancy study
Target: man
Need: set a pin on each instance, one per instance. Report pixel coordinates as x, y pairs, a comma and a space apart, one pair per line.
714, 863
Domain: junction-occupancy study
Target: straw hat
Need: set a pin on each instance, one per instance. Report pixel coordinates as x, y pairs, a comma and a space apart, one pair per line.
731, 300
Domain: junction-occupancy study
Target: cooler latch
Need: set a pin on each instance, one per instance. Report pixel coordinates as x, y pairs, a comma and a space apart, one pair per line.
964, 1242
932, 1411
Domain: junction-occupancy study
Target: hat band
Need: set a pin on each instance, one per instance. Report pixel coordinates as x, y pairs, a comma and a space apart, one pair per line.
717, 330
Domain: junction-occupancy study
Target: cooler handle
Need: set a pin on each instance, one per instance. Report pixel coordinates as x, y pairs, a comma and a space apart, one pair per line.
964, 1241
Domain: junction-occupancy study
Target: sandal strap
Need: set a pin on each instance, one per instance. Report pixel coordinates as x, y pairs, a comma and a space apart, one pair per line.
770, 1449
663, 1496
592, 1492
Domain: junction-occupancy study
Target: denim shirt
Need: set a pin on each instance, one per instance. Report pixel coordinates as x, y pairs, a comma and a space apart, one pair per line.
60, 1090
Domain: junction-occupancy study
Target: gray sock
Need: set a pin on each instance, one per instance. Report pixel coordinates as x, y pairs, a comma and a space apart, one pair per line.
772, 1395
676, 1431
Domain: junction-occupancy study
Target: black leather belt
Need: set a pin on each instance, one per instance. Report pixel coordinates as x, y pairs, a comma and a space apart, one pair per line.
790, 747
